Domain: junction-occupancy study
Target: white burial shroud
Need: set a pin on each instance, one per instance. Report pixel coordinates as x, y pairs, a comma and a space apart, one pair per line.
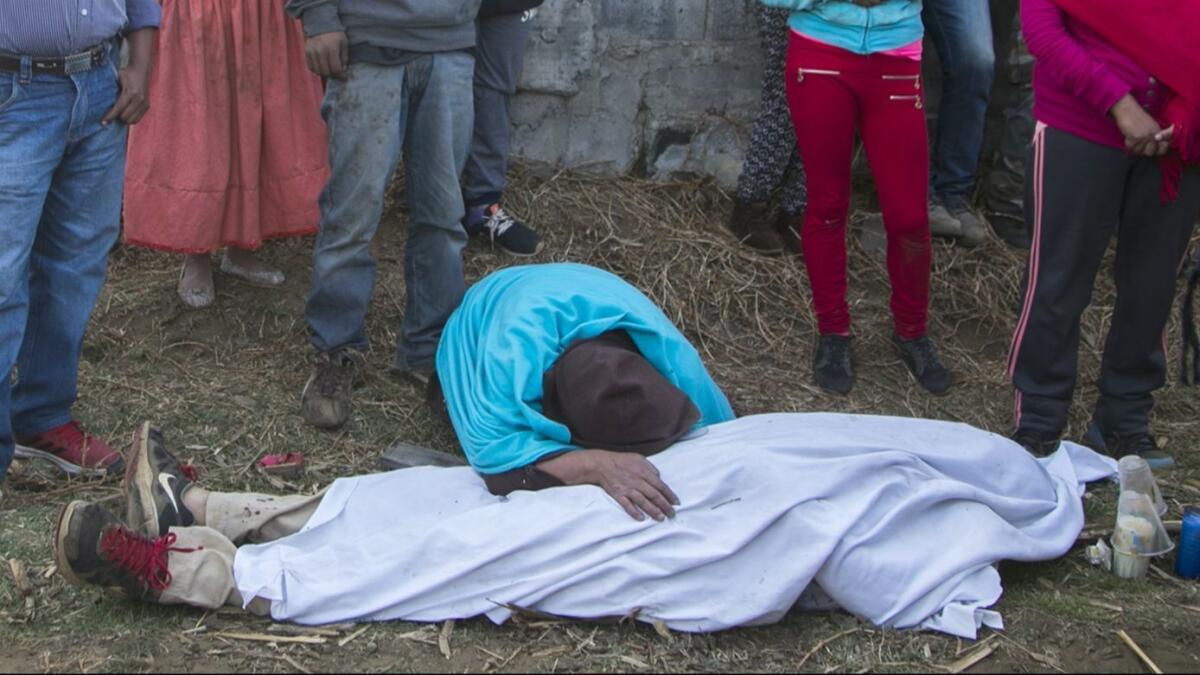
900, 521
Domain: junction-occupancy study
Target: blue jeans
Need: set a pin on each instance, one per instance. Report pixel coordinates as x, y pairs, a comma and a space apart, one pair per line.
500, 57
371, 115
961, 31
61, 175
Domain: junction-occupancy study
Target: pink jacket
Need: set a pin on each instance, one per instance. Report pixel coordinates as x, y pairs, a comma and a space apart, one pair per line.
1078, 76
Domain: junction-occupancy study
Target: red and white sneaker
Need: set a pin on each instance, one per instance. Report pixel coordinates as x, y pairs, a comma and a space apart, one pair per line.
71, 449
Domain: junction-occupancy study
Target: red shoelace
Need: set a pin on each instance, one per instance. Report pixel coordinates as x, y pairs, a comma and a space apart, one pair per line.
190, 472
141, 556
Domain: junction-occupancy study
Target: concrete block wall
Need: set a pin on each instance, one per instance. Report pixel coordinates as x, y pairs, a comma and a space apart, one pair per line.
660, 88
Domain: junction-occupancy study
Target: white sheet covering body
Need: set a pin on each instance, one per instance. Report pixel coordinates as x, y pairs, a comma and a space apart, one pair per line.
899, 520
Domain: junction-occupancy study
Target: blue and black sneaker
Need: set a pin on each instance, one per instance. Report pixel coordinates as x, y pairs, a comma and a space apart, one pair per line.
507, 232
1141, 443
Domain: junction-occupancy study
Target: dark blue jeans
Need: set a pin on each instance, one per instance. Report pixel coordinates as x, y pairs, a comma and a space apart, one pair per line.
961, 31
372, 115
61, 175
500, 57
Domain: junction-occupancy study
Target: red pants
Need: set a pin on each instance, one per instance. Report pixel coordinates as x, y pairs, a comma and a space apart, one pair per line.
832, 92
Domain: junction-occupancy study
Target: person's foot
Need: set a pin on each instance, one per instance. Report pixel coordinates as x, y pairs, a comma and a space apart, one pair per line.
956, 219
941, 223
1037, 443
1011, 231
154, 485
788, 227
1142, 444
833, 364
921, 358
974, 231
72, 450
325, 402
507, 232
242, 264
196, 282
752, 225
93, 548
418, 376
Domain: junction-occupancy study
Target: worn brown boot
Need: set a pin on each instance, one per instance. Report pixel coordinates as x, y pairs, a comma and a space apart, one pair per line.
752, 225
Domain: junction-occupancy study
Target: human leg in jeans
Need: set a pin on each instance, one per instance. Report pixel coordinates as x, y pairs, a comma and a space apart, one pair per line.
500, 57
439, 132
60, 197
961, 31
370, 115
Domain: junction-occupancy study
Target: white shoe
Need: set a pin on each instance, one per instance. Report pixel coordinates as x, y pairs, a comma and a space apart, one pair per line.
196, 298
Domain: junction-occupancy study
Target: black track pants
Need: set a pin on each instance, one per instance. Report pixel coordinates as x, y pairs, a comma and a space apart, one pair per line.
1078, 195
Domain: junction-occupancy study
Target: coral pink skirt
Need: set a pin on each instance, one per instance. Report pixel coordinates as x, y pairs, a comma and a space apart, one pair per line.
233, 150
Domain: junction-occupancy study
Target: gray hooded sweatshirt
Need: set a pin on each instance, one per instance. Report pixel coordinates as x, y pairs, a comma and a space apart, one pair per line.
405, 25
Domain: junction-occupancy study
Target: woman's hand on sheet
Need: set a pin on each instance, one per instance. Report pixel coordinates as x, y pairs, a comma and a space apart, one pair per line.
628, 478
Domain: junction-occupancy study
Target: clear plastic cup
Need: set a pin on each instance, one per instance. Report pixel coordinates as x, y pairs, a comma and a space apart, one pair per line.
1136, 476
1138, 536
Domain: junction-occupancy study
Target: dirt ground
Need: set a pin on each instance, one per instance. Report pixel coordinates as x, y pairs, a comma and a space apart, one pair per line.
224, 384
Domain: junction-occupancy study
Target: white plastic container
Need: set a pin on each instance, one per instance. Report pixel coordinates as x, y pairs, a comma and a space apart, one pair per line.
1138, 536
1136, 476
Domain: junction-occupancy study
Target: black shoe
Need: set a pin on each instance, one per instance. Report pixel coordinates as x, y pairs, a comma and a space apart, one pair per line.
788, 226
503, 230
154, 485
1142, 444
325, 402
833, 364
1011, 231
1036, 443
93, 548
752, 225
923, 362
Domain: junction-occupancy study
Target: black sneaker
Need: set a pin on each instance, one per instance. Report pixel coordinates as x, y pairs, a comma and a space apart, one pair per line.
833, 364
325, 402
752, 225
1036, 443
154, 485
93, 548
1142, 444
923, 362
507, 232
1011, 231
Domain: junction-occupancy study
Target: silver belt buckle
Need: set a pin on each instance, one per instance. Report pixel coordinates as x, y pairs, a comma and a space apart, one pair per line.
77, 63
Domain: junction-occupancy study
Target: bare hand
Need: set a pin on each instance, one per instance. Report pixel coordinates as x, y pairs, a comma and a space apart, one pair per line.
628, 478
134, 99
1139, 128
328, 54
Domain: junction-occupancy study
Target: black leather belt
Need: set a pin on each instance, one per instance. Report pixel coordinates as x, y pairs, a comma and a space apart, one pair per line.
61, 65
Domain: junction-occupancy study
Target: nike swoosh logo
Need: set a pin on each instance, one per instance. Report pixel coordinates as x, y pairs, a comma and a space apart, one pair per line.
165, 479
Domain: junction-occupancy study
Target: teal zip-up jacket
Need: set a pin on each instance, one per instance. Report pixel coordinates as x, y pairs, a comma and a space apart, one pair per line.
862, 30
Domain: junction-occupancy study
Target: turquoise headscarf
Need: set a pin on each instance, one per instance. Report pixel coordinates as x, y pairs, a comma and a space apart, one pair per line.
514, 324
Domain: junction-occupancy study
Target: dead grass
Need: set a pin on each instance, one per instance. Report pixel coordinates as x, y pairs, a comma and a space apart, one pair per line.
225, 383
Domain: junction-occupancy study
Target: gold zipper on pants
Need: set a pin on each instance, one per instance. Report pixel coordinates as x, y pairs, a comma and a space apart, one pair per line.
801, 72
